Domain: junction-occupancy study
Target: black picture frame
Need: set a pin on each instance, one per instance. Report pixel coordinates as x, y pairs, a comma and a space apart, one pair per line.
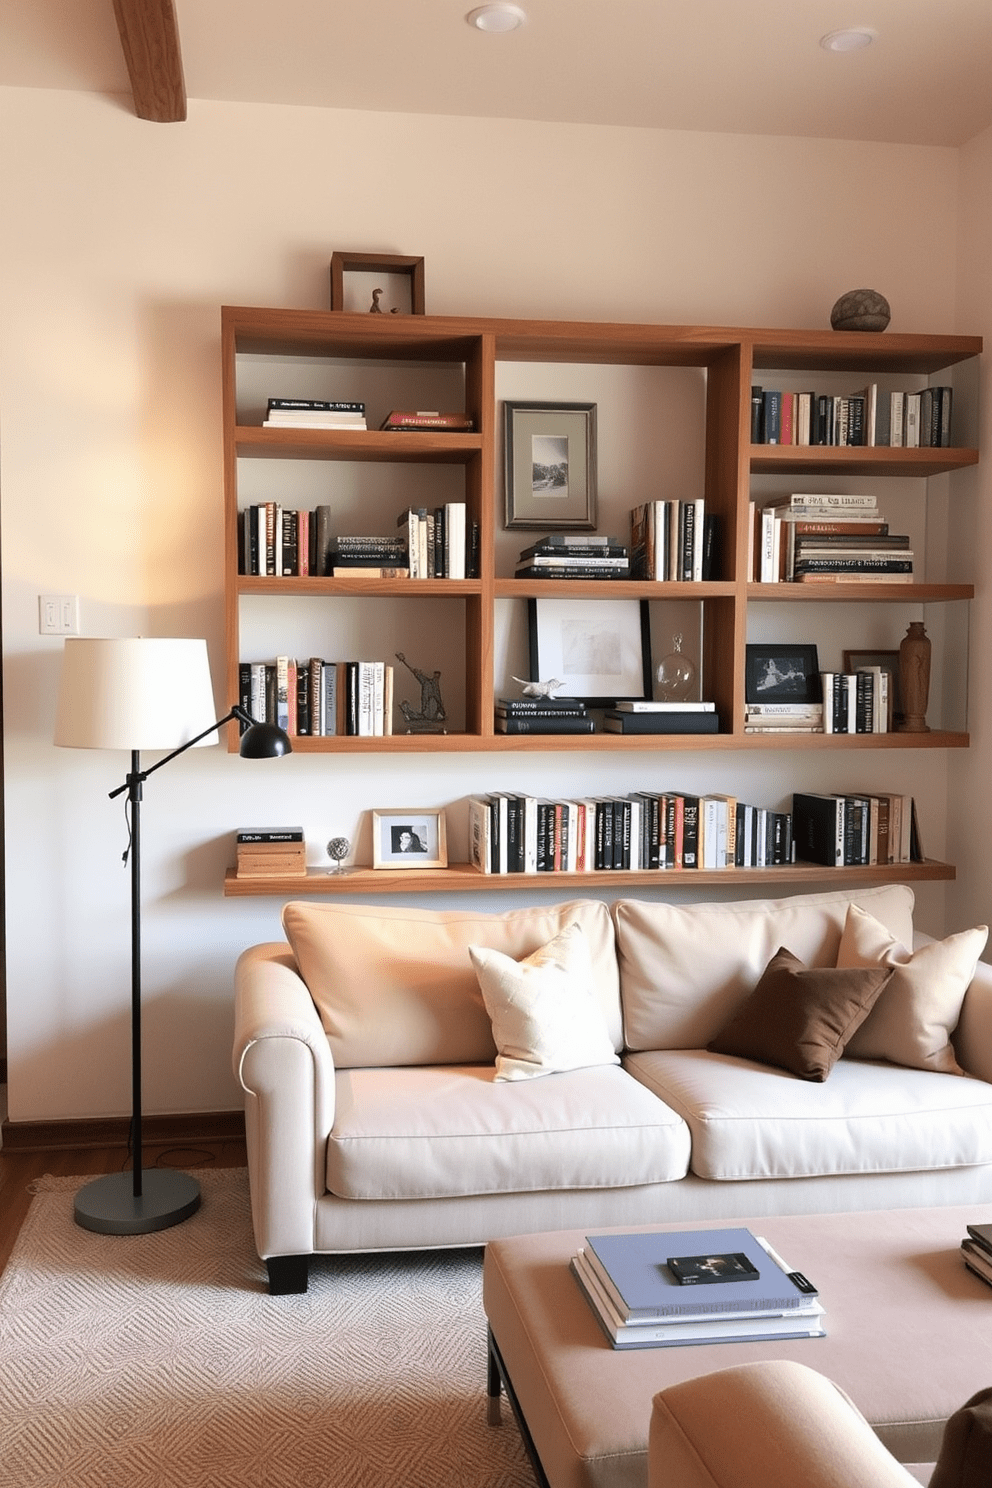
782, 672
559, 440
586, 643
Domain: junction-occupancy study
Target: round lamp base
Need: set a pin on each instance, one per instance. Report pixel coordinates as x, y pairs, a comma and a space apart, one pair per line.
109, 1206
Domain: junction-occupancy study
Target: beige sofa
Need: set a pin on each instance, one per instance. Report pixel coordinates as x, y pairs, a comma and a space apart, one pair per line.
376, 1121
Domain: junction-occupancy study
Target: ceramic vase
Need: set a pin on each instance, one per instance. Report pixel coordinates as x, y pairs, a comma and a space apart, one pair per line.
914, 679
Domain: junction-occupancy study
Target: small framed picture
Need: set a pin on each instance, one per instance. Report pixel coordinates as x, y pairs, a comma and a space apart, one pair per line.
381, 283
889, 662
409, 839
596, 649
550, 465
782, 673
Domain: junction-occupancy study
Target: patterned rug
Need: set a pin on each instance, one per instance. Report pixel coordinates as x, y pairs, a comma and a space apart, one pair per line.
160, 1361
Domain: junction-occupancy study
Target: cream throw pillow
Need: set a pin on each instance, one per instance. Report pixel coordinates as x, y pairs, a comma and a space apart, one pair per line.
912, 1021
545, 1016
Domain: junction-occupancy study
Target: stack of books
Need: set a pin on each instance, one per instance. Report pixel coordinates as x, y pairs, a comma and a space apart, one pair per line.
564, 555
855, 830
827, 537
313, 413
637, 717
455, 423
669, 1289
271, 852
976, 1248
783, 718
368, 557
542, 716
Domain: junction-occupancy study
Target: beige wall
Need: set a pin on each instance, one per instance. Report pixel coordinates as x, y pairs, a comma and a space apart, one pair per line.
120, 241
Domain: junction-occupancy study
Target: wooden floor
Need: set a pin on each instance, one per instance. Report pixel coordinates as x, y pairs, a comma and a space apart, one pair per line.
19, 1169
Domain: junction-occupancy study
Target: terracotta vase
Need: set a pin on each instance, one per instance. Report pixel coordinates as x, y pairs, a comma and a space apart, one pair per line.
914, 679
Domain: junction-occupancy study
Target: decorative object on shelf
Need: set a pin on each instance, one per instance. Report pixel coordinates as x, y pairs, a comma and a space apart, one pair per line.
137, 694
914, 679
409, 838
889, 662
676, 676
539, 689
782, 673
601, 648
337, 850
392, 264
431, 716
550, 465
861, 310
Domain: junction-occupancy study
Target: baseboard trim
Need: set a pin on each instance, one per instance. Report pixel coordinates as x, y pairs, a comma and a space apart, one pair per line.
42, 1136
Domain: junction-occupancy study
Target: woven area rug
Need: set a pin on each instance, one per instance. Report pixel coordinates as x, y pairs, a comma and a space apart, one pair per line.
160, 1361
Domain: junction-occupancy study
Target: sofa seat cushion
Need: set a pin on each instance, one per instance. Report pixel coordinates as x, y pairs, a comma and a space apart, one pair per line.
685, 969
426, 1133
749, 1121
395, 986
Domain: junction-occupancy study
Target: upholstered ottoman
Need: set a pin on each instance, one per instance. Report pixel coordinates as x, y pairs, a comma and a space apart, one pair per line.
909, 1338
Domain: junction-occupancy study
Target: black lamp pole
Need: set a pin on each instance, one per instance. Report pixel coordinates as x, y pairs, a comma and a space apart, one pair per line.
137, 1203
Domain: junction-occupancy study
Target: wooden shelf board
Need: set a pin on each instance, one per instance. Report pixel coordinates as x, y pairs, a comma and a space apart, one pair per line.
603, 743
801, 459
395, 588
416, 446
463, 877
888, 593
608, 589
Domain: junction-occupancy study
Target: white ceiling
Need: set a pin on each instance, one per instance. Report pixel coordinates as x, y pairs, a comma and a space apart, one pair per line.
739, 66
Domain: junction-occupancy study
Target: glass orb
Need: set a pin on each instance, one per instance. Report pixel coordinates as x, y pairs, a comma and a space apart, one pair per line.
676, 674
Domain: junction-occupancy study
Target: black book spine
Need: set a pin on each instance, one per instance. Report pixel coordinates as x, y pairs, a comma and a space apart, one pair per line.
690, 832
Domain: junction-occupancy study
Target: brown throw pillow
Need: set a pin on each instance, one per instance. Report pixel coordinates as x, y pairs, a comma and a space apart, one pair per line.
965, 1459
799, 1018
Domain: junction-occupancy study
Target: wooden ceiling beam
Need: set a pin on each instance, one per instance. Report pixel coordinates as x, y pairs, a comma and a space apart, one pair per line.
149, 35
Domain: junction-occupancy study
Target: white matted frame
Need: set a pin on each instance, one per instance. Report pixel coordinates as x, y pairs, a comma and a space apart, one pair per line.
409, 837
597, 649
550, 465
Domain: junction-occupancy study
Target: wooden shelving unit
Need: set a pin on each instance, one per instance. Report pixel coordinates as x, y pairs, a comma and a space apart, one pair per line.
469, 351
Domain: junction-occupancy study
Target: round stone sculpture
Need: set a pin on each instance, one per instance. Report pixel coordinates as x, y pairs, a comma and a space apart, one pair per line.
861, 310
337, 850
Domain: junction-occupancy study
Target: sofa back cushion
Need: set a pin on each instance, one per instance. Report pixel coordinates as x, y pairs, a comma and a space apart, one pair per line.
397, 987
685, 968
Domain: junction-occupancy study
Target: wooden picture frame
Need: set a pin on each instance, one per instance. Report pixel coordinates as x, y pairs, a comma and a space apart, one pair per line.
598, 649
889, 662
550, 466
409, 837
782, 672
384, 265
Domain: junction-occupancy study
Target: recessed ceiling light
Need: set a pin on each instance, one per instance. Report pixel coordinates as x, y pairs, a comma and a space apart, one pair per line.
501, 17
847, 41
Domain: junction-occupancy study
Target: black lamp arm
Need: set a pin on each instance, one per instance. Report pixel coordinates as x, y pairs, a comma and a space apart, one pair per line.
237, 712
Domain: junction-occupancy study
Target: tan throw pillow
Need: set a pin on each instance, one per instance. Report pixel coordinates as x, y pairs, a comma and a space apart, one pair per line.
912, 1023
799, 1018
544, 1014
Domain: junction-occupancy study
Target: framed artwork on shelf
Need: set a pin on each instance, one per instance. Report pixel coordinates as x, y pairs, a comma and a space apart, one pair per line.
550, 465
380, 283
889, 662
782, 673
409, 838
598, 650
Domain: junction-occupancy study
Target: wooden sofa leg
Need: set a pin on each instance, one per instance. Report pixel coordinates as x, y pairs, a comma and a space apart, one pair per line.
288, 1275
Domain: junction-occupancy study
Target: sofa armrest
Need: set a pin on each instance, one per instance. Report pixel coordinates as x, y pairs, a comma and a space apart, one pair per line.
284, 1064
768, 1425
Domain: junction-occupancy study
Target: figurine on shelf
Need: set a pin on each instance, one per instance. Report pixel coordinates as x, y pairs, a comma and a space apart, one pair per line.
539, 689
430, 719
337, 850
375, 308
676, 674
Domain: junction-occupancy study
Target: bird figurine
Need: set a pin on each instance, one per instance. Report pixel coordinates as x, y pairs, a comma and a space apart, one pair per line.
540, 689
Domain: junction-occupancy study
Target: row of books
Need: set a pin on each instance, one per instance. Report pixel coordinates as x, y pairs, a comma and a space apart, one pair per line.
435, 542
809, 538
657, 1289
562, 555
855, 829
857, 702
270, 852
319, 698
645, 830
672, 541
867, 417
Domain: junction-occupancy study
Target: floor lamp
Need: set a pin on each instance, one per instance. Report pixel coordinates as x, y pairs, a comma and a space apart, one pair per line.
138, 694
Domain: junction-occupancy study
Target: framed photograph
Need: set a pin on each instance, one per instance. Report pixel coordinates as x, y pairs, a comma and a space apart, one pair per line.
409, 838
889, 662
782, 673
550, 465
381, 283
598, 649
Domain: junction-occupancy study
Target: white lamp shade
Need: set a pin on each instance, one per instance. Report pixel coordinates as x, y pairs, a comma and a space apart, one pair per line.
139, 693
